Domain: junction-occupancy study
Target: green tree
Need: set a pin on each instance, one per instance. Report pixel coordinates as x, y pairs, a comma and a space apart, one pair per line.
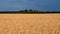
30, 10
25, 10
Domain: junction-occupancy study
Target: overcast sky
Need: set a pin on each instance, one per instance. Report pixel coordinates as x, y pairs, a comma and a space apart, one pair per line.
8, 5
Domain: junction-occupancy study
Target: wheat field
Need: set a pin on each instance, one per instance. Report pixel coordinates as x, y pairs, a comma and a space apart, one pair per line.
29, 23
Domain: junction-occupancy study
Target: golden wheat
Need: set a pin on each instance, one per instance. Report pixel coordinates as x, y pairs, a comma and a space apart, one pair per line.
29, 23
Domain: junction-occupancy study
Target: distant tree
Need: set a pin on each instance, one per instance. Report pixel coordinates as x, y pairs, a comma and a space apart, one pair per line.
30, 10
25, 10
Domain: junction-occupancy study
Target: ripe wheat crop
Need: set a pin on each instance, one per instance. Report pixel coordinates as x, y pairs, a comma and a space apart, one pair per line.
29, 23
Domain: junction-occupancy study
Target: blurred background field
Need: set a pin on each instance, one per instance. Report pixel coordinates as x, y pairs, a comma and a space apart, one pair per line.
29, 23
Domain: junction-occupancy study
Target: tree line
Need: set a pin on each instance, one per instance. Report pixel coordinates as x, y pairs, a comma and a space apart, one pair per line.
30, 11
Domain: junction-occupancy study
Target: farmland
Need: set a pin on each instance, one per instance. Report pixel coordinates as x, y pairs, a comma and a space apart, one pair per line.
29, 23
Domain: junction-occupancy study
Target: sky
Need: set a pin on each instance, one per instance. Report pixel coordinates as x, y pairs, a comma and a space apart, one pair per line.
43, 5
